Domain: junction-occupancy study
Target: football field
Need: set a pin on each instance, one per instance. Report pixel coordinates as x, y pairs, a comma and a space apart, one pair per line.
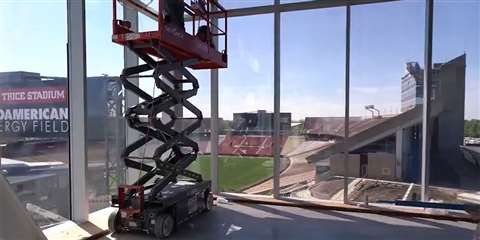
235, 172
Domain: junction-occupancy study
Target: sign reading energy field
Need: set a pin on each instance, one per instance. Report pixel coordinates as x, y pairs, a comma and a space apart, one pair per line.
34, 112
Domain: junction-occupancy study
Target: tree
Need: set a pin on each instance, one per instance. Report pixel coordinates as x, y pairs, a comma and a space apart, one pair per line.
472, 128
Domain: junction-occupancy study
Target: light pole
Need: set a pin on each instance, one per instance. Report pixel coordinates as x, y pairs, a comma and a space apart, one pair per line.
371, 108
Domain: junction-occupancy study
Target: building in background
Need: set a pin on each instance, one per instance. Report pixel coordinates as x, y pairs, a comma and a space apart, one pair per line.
399, 137
260, 123
202, 134
412, 86
251, 134
34, 132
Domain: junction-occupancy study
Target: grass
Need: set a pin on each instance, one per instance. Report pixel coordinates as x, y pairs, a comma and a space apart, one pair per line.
235, 173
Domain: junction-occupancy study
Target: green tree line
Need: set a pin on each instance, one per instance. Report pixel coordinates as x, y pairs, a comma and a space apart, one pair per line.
472, 128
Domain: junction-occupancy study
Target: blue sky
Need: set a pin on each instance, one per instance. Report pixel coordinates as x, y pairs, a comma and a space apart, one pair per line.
384, 37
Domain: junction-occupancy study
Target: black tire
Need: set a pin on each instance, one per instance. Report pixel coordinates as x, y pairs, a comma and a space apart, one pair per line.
164, 225
114, 224
208, 201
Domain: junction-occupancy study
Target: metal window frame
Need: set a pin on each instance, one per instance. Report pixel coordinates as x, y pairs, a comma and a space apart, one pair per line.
76, 47
276, 9
77, 109
77, 97
427, 94
298, 6
347, 104
214, 121
276, 101
130, 59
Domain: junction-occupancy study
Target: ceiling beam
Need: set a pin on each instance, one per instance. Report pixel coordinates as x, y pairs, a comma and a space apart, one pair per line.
288, 7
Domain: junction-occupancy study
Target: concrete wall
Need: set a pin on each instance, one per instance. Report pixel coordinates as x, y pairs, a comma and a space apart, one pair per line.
380, 165
337, 166
449, 125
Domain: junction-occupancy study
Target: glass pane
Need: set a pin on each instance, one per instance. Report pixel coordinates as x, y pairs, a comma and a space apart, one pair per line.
202, 101
313, 93
105, 122
231, 4
246, 106
202, 135
455, 149
34, 126
293, 1
385, 105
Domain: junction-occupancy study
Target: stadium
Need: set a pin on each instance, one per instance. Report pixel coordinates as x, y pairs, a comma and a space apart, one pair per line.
239, 119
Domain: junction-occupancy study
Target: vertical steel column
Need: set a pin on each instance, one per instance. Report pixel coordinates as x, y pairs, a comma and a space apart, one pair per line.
214, 115
427, 93
130, 59
276, 102
347, 104
77, 109
398, 153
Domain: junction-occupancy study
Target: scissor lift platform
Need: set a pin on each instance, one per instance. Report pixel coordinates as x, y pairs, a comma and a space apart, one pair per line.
159, 201
181, 44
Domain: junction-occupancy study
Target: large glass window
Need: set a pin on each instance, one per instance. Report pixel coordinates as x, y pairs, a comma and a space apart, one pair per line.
455, 148
246, 107
312, 102
202, 101
34, 125
231, 4
387, 56
105, 123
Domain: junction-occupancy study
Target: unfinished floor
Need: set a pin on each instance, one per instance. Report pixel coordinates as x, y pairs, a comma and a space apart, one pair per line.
264, 222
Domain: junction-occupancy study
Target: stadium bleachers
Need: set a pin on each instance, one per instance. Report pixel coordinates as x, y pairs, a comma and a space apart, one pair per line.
248, 145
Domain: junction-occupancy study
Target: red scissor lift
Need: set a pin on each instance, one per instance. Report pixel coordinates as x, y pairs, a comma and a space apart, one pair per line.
159, 201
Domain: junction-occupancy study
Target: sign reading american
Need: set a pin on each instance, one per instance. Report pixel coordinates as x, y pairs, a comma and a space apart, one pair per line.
34, 112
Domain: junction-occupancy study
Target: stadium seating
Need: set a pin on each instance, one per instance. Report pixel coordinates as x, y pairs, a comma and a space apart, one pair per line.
248, 145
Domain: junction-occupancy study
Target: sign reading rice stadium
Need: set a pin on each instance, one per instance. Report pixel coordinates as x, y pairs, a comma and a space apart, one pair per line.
34, 112
36, 107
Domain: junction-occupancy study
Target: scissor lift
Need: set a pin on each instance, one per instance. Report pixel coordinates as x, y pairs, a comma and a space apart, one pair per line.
159, 201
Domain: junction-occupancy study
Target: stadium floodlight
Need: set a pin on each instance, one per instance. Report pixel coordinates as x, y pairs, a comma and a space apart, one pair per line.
371, 108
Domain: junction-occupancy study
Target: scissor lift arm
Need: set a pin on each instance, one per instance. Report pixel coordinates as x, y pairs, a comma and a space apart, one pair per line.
158, 201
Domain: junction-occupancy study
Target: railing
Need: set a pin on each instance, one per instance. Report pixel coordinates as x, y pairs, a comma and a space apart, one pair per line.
192, 12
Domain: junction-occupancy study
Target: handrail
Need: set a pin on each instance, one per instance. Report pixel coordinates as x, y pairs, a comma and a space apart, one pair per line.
194, 14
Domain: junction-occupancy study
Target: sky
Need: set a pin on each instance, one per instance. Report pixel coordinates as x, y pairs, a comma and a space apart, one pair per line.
383, 38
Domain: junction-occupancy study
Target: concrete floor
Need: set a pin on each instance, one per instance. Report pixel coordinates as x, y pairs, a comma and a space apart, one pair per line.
234, 221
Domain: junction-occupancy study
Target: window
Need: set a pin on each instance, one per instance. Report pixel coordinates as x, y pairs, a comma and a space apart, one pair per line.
385, 118
246, 107
455, 155
313, 95
34, 124
232, 4
105, 99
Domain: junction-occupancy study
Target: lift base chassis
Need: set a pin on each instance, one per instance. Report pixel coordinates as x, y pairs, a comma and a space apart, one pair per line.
179, 202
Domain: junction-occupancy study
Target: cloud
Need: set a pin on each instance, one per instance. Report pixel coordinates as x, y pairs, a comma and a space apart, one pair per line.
366, 90
231, 100
308, 106
241, 48
248, 57
255, 65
